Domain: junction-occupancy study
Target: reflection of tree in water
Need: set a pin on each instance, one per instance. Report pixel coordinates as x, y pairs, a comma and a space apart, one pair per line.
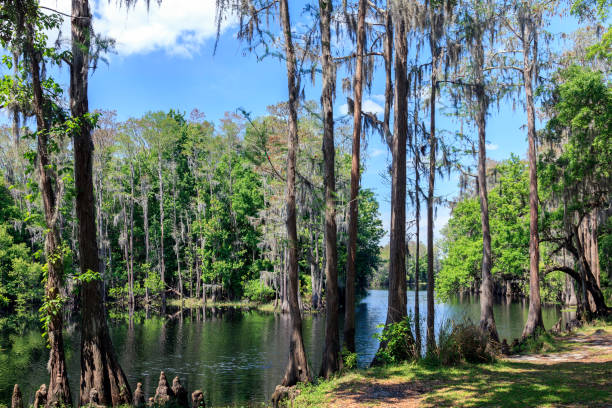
234, 356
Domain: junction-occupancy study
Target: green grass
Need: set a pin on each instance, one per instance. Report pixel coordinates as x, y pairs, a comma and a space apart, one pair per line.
503, 383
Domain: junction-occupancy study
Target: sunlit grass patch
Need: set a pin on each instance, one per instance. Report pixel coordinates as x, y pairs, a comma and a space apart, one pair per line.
504, 383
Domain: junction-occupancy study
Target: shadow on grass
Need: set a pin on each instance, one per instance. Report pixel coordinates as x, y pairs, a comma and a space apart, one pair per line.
381, 393
518, 384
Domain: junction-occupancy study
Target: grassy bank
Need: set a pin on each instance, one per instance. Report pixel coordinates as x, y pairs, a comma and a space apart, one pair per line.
575, 371
241, 304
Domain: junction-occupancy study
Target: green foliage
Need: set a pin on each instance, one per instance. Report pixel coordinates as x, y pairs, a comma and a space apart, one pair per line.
256, 291
152, 281
369, 233
509, 223
87, 276
20, 273
399, 342
349, 359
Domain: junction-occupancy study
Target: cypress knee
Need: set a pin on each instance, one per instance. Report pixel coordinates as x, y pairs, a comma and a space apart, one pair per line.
139, 397
40, 398
197, 398
180, 393
163, 393
17, 400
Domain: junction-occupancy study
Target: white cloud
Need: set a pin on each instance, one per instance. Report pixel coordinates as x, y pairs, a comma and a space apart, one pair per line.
372, 107
178, 27
379, 97
377, 152
368, 106
492, 146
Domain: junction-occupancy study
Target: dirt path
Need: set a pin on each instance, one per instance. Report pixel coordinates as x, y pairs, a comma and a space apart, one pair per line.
595, 347
380, 393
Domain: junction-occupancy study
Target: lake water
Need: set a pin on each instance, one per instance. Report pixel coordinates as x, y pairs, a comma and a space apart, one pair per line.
236, 357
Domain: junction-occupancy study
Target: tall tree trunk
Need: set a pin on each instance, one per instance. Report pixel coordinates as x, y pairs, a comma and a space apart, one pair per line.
431, 335
314, 267
331, 352
534, 317
125, 245
297, 368
349, 307
132, 301
417, 315
162, 263
591, 249
487, 319
99, 366
101, 250
16, 125
396, 310
589, 285
176, 234
145, 211
388, 57
59, 388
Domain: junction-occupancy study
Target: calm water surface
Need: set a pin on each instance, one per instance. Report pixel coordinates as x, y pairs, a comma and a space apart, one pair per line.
236, 357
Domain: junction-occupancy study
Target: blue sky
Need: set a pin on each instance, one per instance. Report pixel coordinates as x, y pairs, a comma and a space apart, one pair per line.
165, 61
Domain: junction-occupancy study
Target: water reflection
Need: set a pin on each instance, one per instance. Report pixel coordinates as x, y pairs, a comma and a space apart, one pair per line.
234, 356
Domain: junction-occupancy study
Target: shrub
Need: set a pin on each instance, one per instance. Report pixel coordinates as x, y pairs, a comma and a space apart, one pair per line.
461, 342
153, 282
256, 291
349, 359
399, 343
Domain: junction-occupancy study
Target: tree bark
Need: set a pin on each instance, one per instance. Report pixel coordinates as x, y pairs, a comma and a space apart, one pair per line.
417, 315
332, 361
349, 308
590, 287
145, 211
297, 368
431, 336
591, 250
534, 317
396, 310
388, 57
487, 319
99, 366
162, 263
59, 388
132, 301
16, 122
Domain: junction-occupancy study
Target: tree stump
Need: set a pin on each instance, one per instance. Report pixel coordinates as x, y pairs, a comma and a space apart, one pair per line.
17, 400
163, 393
282, 393
40, 398
139, 397
180, 393
197, 398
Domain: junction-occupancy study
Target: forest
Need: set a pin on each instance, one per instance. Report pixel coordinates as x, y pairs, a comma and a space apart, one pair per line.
108, 217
